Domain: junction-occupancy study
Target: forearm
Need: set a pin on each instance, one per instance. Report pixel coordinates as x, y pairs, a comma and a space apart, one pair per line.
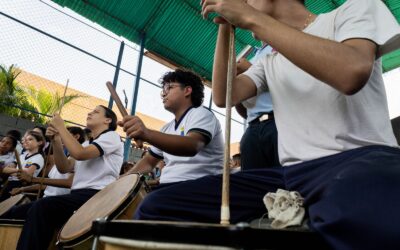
9, 170
321, 58
174, 144
31, 188
61, 161
63, 183
140, 168
220, 67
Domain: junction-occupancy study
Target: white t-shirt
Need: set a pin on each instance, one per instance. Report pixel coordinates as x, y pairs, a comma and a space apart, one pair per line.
6, 160
315, 120
98, 172
206, 162
53, 191
27, 161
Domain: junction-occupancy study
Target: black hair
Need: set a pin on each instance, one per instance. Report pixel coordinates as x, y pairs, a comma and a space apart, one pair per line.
110, 114
15, 134
13, 141
77, 131
236, 157
186, 78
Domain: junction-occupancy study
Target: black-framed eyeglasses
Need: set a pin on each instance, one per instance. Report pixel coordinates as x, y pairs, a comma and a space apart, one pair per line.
167, 87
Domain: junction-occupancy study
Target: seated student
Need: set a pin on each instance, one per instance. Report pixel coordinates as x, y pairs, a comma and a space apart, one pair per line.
261, 129
97, 164
335, 141
191, 145
57, 183
7, 146
31, 162
235, 163
17, 135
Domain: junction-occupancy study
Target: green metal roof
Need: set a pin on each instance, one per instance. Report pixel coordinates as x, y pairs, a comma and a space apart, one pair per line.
176, 31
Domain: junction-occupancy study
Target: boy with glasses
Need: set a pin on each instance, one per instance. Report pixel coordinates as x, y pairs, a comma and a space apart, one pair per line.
191, 145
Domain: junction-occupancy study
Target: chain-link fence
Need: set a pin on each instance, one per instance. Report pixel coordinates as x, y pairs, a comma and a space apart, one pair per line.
45, 46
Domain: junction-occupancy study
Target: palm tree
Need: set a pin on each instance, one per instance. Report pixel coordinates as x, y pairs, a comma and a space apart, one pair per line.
13, 96
45, 101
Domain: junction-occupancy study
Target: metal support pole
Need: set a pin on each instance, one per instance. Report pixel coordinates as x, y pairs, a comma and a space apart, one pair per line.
117, 67
210, 104
135, 91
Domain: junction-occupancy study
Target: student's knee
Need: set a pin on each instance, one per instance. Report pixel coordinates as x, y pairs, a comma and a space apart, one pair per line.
147, 207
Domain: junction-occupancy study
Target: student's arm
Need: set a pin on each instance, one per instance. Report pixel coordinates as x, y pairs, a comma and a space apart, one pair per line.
321, 58
63, 183
63, 164
188, 145
76, 150
242, 86
26, 189
10, 169
145, 165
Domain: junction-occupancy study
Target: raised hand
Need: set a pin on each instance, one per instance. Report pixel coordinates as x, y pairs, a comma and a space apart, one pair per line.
134, 127
236, 12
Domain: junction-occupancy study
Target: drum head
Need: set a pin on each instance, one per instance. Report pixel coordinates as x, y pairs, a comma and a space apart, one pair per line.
101, 205
10, 202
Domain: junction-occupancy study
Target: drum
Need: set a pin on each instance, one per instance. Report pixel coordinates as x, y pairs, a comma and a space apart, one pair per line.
123, 235
9, 233
15, 200
118, 200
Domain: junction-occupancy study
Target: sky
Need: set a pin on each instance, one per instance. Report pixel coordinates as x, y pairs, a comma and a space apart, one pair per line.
53, 60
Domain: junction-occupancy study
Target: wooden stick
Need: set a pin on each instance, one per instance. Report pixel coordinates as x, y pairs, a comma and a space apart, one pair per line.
225, 212
50, 145
19, 165
121, 108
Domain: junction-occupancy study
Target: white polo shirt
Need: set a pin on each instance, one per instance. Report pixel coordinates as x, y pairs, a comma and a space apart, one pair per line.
6, 159
27, 161
315, 120
53, 191
208, 161
98, 172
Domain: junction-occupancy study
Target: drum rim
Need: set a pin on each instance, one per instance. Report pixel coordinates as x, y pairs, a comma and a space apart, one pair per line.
234, 236
18, 199
87, 234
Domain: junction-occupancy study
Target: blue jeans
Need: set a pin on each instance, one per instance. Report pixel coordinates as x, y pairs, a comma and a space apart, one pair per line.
351, 197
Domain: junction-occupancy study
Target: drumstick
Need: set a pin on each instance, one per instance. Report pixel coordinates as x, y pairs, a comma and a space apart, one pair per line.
19, 165
51, 144
225, 213
121, 108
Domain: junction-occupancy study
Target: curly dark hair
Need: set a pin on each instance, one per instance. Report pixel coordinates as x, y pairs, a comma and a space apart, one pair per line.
186, 78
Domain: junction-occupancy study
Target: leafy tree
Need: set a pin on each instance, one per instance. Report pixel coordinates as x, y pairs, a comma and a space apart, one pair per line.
12, 95
45, 101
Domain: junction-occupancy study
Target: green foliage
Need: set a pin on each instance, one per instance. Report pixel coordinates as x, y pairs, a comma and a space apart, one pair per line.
45, 101
28, 98
12, 95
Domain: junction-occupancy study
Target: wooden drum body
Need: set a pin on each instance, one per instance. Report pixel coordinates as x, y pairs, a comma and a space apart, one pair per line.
123, 235
118, 200
9, 233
